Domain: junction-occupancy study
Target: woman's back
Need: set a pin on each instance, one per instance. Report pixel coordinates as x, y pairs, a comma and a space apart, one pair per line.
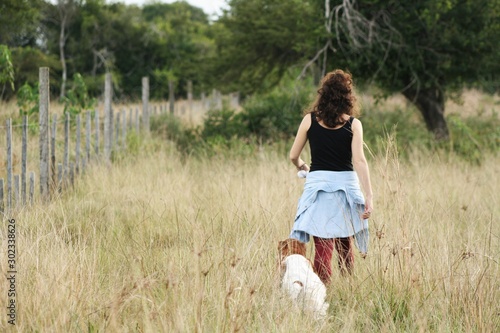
330, 148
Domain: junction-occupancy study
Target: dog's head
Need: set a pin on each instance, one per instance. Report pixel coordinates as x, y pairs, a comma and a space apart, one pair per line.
291, 246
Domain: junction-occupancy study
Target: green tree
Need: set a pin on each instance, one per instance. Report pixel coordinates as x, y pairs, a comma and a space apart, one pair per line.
179, 37
258, 40
6, 69
131, 42
18, 21
425, 49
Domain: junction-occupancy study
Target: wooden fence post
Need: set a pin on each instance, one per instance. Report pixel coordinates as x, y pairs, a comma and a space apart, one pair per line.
24, 159
203, 102
145, 103
44, 101
190, 100
2, 207
124, 130
117, 131
78, 138
16, 201
32, 186
97, 129
87, 135
130, 119
84, 164
171, 96
108, 122
66, 149
72, 174
219, 100
136, 120
53, 151
59, 176
9, 163
213, 99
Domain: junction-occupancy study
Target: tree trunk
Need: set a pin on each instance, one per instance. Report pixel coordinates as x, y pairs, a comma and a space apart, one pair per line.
430, 102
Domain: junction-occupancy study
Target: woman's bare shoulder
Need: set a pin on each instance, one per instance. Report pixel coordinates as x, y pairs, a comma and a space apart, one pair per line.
306, 120
356, 125
356, 121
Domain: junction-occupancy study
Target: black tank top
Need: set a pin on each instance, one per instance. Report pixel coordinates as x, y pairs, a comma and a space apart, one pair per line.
330, 148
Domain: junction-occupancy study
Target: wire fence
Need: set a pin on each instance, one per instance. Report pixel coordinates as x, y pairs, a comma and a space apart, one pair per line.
90, 137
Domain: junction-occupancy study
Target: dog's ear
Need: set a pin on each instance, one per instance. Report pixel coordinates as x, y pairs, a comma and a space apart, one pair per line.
297, 247
282, 247
301, 248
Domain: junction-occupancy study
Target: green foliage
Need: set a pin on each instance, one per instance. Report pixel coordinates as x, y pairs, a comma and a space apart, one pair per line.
6, 67
133, 143
77, 98
28, 99
259, 40
223, 125
404, 124
27, 62
171, 128
276, 114
19, 21
181, 44
267, 117
470, 138
443, 40
423, 49
132, 42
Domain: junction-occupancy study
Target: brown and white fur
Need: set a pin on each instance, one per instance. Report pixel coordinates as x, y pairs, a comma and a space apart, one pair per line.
299, 280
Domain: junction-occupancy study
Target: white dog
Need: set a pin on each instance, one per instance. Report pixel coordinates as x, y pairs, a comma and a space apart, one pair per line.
299, 280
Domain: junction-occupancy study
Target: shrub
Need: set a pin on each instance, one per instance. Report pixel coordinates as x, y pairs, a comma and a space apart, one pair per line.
277, 114
223, 124
171, 128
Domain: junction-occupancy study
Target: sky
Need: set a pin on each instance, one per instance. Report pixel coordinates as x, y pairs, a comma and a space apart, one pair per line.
209, 6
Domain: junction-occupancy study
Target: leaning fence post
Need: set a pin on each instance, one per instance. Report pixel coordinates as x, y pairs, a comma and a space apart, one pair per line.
44, 100
108, 122
9, 163
145, 103
24, 159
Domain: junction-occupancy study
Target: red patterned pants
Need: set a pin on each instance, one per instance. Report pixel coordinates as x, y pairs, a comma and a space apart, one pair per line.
323, 256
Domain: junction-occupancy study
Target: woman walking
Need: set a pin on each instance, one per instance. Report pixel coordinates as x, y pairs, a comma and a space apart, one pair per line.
332, 207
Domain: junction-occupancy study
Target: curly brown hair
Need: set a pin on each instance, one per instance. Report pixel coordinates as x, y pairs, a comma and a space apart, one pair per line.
335, 98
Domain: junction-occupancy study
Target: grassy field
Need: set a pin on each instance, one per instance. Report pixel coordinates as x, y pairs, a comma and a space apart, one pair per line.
166, 243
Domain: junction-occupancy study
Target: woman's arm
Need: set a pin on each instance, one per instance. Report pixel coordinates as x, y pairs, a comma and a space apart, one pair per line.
361, 166
299, 143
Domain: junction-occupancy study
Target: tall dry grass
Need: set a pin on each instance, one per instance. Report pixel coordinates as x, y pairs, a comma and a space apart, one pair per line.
160, 243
